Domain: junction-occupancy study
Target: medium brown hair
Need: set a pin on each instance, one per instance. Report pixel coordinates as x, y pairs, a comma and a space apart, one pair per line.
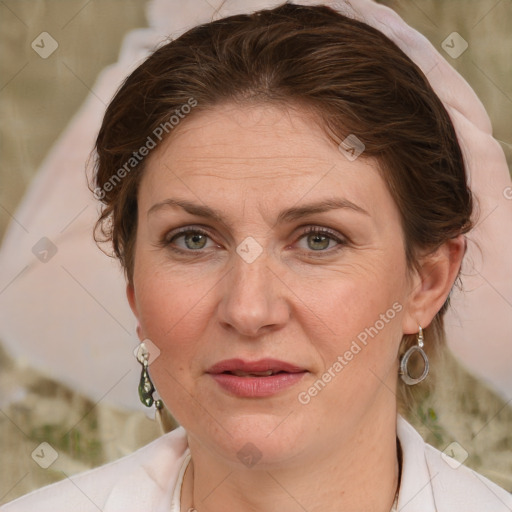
349, 74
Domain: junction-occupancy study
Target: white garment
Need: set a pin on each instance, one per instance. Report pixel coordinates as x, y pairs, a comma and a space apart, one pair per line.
176, 495
146, 481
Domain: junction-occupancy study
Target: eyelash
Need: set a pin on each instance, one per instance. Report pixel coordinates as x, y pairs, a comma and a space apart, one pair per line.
168, 240
315, 230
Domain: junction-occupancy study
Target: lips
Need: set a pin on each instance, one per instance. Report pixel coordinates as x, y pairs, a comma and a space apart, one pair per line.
253, 379
240, 373
261, 368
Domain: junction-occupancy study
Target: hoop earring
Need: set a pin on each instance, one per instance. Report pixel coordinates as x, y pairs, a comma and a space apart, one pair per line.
146, 387
404, 362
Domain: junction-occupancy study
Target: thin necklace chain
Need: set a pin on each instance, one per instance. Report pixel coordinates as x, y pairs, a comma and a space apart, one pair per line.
394, 507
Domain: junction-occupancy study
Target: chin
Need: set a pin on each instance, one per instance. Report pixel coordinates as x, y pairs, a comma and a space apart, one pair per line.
240, 435
257, 444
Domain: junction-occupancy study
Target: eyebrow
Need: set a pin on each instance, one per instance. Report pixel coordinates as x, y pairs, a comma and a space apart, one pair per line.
297, 212
288, 215
192, 208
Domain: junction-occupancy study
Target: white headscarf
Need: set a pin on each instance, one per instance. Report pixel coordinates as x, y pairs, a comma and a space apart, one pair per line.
67, 314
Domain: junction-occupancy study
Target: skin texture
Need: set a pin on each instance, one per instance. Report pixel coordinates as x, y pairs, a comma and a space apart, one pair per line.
292, 303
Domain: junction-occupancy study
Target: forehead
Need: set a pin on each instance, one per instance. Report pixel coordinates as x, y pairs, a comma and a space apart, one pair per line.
258, 152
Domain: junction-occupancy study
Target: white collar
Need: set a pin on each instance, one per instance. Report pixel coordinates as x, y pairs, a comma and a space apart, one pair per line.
176, 495
416, 481
151, 478
156, 489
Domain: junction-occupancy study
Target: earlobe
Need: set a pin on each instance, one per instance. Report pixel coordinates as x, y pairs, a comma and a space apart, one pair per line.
432, 283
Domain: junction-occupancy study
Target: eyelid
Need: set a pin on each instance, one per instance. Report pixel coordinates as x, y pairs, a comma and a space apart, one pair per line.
323, 231
340, 239
168, 237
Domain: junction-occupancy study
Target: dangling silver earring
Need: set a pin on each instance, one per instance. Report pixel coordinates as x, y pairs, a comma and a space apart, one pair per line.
146, 387
404, 362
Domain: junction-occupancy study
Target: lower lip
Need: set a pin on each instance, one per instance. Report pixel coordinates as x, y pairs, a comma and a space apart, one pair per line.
253, 387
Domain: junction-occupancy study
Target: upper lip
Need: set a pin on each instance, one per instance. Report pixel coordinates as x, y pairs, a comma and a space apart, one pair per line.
262, 365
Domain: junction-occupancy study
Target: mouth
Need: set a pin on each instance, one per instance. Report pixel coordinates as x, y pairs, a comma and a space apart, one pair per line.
252, 379
240, 373
260, 368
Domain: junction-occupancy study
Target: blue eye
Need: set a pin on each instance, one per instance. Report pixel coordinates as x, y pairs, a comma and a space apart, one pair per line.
193, 239
320, 239
188, 240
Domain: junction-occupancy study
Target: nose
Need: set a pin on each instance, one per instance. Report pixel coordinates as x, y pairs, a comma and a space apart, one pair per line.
253, 301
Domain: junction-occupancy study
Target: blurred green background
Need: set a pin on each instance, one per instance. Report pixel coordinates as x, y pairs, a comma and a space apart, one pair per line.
37, 99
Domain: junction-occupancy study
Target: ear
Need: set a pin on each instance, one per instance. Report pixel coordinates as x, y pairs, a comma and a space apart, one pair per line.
130, 294
431, 283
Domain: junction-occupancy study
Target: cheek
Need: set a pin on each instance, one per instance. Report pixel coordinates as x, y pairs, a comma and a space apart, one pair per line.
173, 312
361, 315
173, 316
358, 355
352, 299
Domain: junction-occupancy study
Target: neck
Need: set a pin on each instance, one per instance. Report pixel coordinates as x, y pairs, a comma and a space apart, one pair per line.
359, 472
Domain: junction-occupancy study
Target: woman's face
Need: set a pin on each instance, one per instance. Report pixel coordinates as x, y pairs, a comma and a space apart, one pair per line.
231, 284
